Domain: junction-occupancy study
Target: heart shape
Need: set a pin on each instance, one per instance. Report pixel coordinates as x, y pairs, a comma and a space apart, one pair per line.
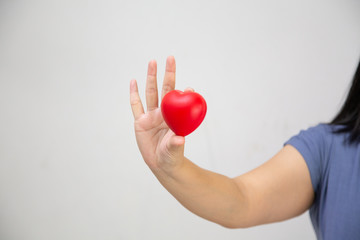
183, 112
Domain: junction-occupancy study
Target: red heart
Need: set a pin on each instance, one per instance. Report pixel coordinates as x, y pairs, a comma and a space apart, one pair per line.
183, 112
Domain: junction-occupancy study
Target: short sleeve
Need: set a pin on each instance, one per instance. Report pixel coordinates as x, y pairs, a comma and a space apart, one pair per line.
310, 143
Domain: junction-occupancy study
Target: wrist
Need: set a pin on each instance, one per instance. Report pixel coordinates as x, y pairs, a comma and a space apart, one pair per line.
169, 167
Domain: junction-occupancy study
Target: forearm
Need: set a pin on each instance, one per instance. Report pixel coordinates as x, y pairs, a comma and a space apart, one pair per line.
209, 195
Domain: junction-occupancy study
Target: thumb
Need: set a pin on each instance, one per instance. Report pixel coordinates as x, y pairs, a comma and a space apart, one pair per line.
176, 145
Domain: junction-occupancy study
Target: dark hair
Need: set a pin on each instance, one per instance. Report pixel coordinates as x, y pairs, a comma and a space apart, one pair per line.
349, 115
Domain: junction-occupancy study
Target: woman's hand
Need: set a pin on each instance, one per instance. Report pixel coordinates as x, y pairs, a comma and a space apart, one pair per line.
159, 146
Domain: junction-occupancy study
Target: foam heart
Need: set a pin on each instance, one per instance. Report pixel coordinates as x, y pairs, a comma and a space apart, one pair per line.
183, 112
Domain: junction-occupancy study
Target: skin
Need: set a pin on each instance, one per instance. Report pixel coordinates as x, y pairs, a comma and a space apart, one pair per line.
275, 191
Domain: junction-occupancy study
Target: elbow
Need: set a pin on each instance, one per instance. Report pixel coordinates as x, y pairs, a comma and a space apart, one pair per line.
230, 226
236, 225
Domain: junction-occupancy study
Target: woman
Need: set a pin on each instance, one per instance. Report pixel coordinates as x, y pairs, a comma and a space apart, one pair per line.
317, 169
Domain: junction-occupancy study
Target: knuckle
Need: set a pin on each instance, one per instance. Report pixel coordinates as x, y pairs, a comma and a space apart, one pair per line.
167, 88
135, 101
151, 90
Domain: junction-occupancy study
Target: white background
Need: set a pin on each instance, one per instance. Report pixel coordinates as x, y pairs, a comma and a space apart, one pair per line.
69, 164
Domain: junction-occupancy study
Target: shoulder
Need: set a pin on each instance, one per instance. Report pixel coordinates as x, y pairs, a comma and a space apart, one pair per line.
321, 136
317, 135
322, 129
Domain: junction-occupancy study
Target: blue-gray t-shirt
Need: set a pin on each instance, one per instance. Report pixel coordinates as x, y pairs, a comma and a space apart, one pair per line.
334, 168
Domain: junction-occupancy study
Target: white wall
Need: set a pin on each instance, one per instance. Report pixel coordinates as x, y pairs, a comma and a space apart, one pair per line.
69, 164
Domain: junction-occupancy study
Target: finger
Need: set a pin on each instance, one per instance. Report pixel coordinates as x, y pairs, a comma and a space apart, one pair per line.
175, 145
151, 87
176, 141
169, 79
189, 89
135, 101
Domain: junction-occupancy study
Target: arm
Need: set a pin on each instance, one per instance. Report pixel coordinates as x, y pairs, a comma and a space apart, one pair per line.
277, 190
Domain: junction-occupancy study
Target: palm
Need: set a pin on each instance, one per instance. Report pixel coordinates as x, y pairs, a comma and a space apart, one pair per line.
152, 133
150, 130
